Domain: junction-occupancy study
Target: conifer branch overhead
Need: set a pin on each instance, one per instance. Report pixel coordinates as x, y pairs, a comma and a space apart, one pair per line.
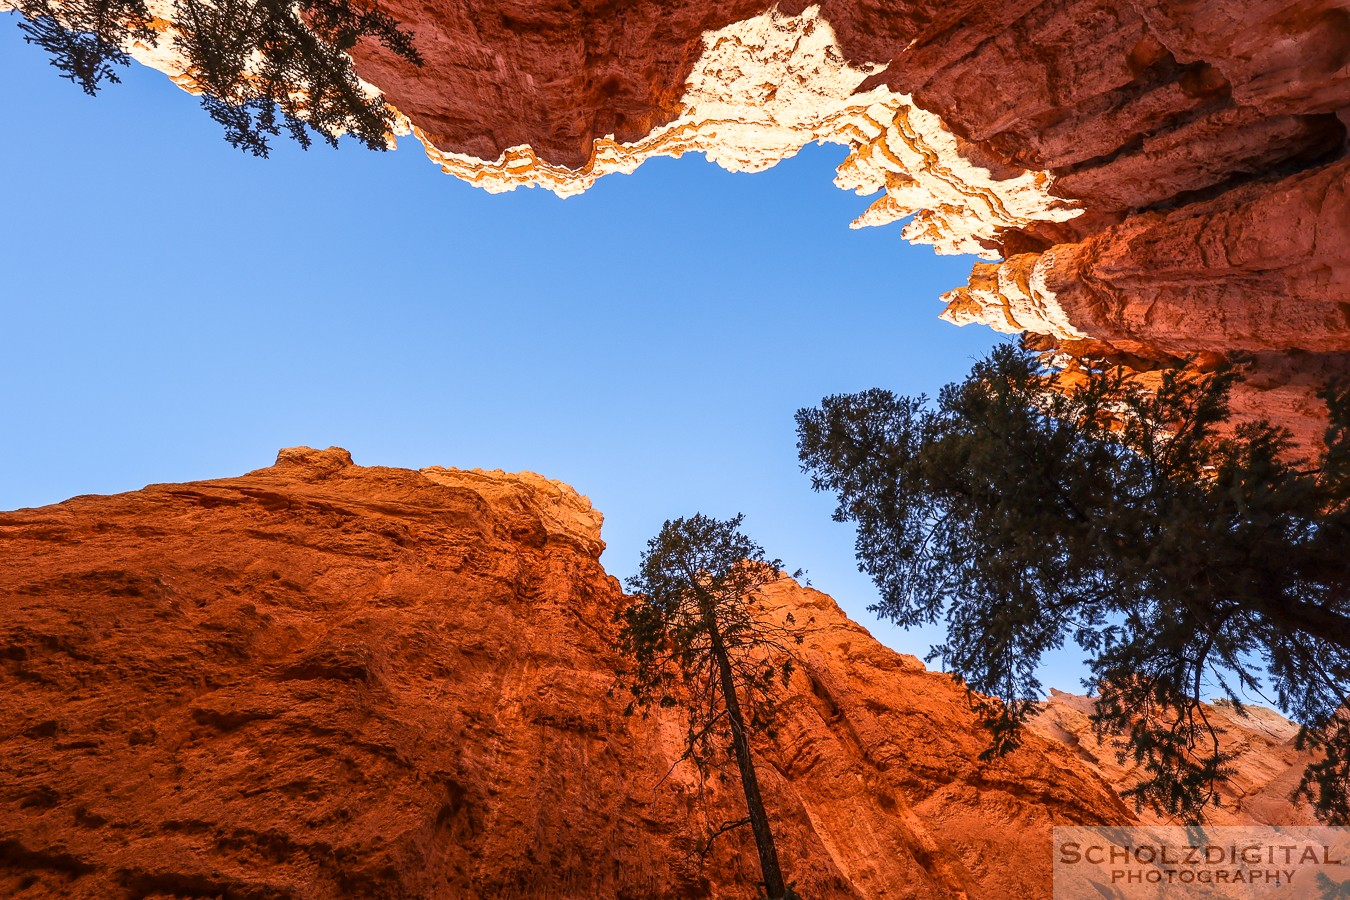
262, 65
1185, 556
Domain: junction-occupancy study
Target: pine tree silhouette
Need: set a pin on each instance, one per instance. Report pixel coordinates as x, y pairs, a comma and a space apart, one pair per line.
262, 65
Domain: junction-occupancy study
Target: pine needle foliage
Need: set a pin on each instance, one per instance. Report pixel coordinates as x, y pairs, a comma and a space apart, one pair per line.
1185, 557
85, 39
263, 66
692, 640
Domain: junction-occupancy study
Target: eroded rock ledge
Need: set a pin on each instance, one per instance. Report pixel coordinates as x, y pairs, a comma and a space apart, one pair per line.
1159, 179
327, 680
1152, 179
1148, 179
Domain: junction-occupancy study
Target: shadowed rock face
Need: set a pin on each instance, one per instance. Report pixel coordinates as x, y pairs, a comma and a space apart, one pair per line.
322, 680
1147, 179
1157, 178
554, 75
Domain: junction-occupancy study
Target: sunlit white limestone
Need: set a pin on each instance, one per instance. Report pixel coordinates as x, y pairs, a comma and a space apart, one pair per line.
1011, 297
762, 89
958, 205
767, 86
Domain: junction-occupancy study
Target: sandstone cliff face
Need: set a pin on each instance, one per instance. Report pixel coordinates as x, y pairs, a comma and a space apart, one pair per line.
1163, 177
322, 680
1148, 178
1266, 767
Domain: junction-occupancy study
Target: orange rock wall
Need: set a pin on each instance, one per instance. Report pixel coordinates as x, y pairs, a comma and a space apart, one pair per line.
1193, 155
324, 680
1266, 764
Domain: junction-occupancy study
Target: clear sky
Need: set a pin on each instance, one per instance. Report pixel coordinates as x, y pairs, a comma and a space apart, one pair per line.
175, 310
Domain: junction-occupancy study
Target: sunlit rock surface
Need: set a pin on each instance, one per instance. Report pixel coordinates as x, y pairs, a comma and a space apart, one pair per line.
1161, 175
322, 680
1158, 177
1266, 765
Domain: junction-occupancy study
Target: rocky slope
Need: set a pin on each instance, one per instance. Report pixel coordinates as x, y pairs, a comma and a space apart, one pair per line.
322, 680
1266, 767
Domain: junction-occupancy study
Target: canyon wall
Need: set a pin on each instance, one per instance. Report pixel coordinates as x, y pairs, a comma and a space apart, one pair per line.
321, 679
1153, 183
1266, 766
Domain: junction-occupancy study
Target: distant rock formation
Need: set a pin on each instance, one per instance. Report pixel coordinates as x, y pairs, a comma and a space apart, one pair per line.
1267, 766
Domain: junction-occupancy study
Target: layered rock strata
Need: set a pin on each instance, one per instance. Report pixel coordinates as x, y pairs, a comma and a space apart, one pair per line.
1149, 179
323, 680
1164, 179
1153, 180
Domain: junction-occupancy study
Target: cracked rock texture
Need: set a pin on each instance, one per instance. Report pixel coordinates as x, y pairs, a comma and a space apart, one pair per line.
323, 680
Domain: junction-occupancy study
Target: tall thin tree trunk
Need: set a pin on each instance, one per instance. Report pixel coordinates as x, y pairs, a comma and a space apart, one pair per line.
759, 820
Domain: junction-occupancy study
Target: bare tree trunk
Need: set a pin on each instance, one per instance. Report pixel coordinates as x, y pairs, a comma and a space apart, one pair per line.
759, 820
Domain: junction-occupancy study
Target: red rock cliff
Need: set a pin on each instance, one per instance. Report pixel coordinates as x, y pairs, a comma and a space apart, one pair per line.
1149, 179
323, 680
1266, 764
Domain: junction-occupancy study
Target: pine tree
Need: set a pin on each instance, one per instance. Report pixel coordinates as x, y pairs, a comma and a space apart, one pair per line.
694, 640
1182, 554
85, 38
262, 65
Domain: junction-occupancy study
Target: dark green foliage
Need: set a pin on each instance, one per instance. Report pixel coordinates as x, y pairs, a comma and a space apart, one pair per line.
1182, 558
694, 641
261, 64
85, 37
700, 575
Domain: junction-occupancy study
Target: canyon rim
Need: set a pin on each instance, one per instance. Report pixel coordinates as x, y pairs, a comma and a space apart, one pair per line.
1152, 183
322, 679
326, 679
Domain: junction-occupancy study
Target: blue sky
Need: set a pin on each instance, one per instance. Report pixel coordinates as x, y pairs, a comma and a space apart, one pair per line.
175, 310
